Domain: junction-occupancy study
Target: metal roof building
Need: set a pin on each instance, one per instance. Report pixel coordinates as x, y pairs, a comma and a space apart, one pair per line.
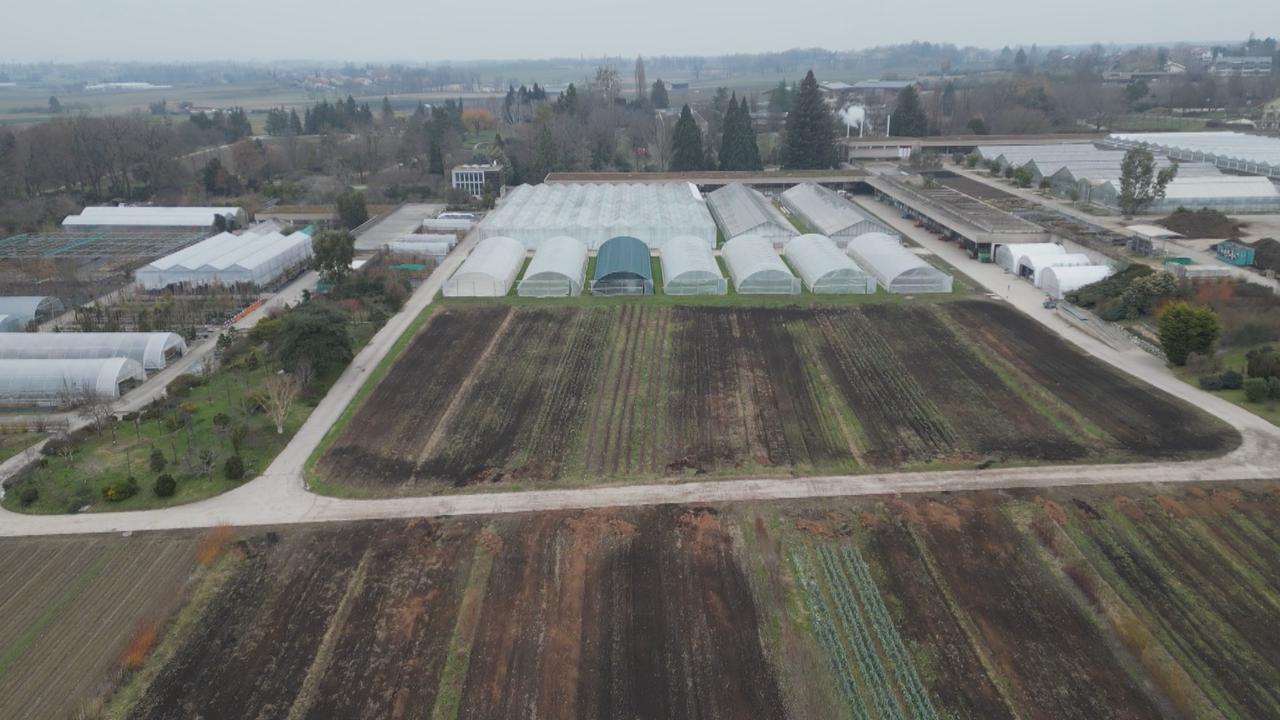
1058, 281
143, 216
152, 351
488, 271
595, 212
1238, 152
25, 308
689, 268
52, 383
739, 210
1033, 266
896, 268
826, 213
756, 268
623, 267
557, 269
826, 270
226, 259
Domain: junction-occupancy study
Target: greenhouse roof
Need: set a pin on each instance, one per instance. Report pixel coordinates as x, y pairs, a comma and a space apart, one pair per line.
27, 307
824, 210
11, 323
885, 258
560, 260
816, 256
748, 255
148, 349
1231, 145
623, 255
48, 382
489, 270
152, 216
739, 210
687, 255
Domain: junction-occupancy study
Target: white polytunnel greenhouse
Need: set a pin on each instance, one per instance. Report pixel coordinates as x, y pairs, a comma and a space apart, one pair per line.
62, 382
432, 250
226, 259
25, 308
152, 350
1058, 281
489, 270
145, 216
558, 269
1007, 255
11, 323
1033, 266
689, 268
595, 212
739, 210
825, 212
826, 270
896, 268
756, 268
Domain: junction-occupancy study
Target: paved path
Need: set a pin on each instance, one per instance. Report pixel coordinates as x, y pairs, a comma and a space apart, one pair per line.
398, 223
279, 496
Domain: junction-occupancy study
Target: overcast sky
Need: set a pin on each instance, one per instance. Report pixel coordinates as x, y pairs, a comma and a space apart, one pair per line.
430, 30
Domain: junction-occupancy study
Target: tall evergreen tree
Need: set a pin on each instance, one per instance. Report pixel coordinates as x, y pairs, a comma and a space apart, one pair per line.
751, 148
809, 139
731, 138
658, 96
686, 143
908, 118
295, 124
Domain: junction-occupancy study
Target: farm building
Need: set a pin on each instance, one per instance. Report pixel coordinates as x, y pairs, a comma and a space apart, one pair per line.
827, 213
25, 308
203, 217
595, 212
897, 269
1033, 266
60, 382
739, 210
558, 269
225, 259
623, 267
826, 270
689, 268
756, 268
488, 271
151, 350
1058, 281
1007, 255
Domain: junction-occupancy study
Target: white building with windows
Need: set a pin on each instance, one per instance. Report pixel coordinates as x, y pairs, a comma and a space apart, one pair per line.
474, 180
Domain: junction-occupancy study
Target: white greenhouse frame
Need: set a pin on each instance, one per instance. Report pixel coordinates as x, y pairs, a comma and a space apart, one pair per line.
11, 323
690, 268
152, 350
1033, 266
897, 269
826, 213
1007, 255
25, 308
226, 259
825, 270
756, 268
60, 382
1056, 282
558, 269
738, 210
489, 270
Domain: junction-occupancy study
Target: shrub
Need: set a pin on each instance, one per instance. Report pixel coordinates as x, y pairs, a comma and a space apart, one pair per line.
165, 486
1202, 364
157, 460
1273, 388
233, 468
29, 495
1255, 390
120, 490
1210, 382
182, 385
57, 446
190, 407
1185, 329
1263, 362
1231, 380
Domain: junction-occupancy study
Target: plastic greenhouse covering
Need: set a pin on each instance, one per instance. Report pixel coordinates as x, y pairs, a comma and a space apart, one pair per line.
1058, 281
896, 268
557, 269
739, 210
826, 270
153, 216
595, 212
151, 350
26, 308
11, 323
57, 382
226, 259
1007, 255
756, 268
827, 213
489, 270
623, 267
689, 268
1033, 266
436, 250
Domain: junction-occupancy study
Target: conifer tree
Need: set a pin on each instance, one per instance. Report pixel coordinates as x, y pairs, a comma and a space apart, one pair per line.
909, 119
658, 96
731, 138
808, 141
686, 143
751, 148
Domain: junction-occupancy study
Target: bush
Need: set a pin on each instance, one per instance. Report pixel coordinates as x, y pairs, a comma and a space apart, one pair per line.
1263, 362
120, 490
1255, 390
165, 486
29, 495
1210, 382
57, 446
157, 460
1231, 380
1202, 364
233, 468
182, 385
1186, 329
1273, 388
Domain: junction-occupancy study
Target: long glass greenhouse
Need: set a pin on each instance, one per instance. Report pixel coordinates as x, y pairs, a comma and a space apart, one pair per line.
896, 268
689, 268
826, 270
489, 270
756, 268
226, 259
826, 213
557, 269
1007, 255
595, 212
1033, 266
152, 350
51, 383
1058, 281
623, 267
25, 308
739, 210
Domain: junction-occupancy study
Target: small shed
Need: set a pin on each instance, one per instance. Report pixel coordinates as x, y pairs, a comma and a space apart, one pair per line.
623, 267
1149, 239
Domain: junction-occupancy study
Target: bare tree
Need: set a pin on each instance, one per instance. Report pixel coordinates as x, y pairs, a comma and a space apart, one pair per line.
279, 392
